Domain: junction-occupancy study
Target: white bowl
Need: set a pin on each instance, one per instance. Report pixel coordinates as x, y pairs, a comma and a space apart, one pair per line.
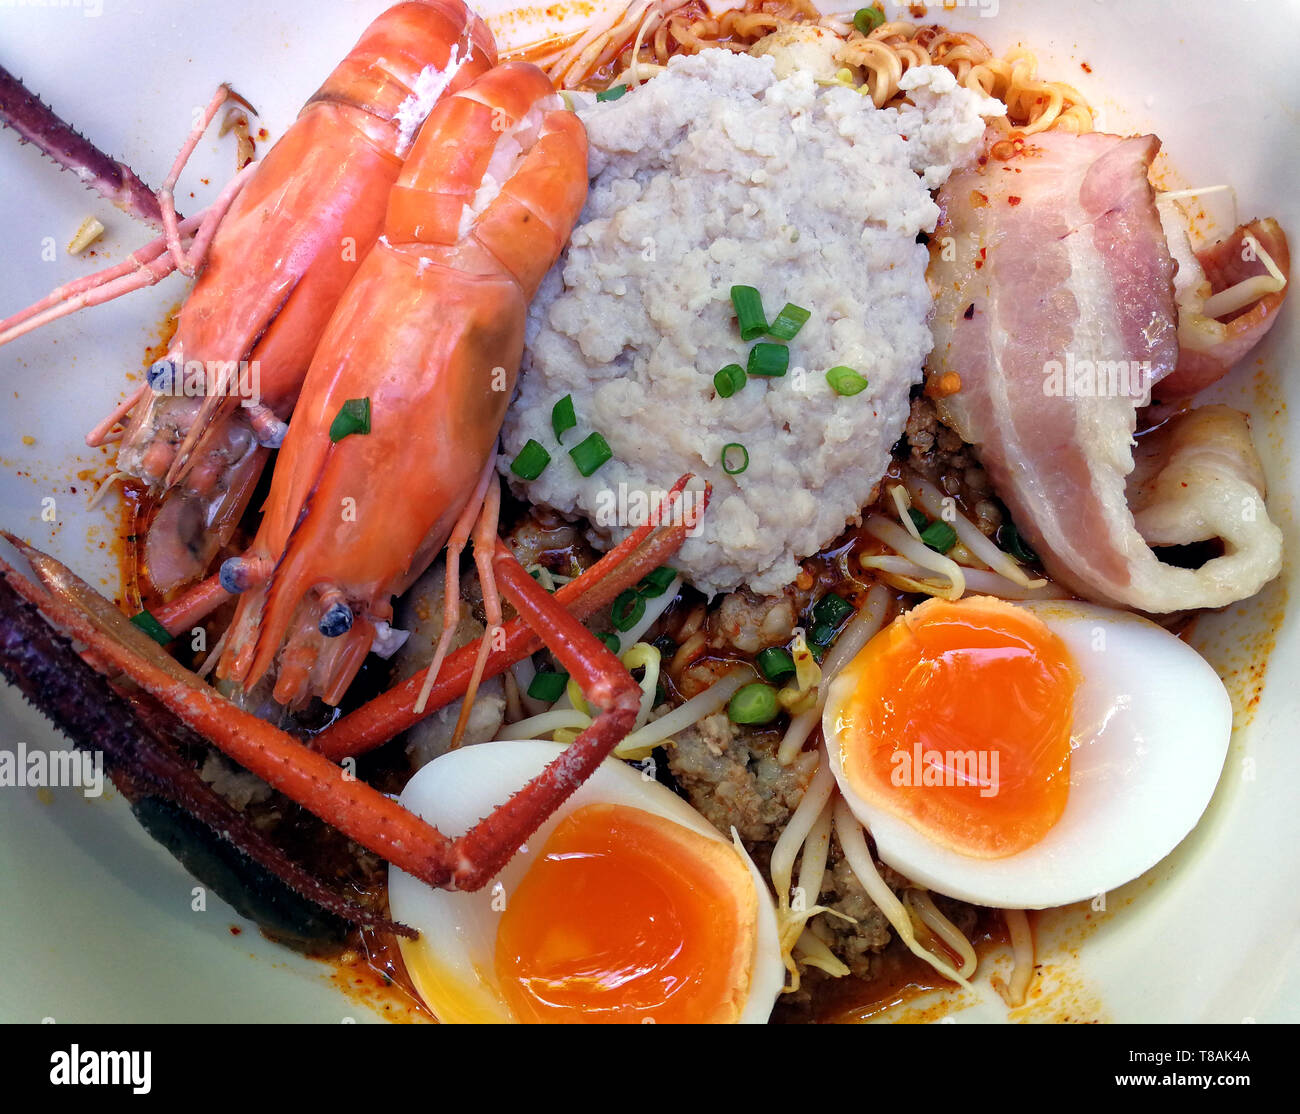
96, 921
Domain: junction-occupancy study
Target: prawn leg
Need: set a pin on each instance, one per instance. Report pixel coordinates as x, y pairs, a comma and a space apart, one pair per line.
375, 821
57, 140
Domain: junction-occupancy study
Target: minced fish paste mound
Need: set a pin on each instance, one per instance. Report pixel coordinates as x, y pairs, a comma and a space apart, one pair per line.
716, 174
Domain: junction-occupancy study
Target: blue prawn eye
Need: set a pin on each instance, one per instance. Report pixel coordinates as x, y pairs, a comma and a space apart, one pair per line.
336, 621
161, 375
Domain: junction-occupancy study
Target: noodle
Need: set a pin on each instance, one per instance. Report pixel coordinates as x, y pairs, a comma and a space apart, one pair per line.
801, 726
711, 700
809, 828
921, 906
654, 608
628, 46
514, 705
984, 568
903, 574
915, 551
1249, 290
524, 671
212, 659
801, 822
571, 713
932, 501
854, 845
816, 850
634, 44
812, 951
647, 657
861, 629
537, 727
1014, 990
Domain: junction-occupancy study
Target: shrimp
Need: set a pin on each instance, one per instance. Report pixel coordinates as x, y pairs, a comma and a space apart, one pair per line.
113, 647
277, 262
430, 332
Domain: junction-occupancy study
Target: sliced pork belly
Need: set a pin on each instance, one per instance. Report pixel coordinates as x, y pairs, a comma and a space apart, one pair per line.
1242, 279
1054, 306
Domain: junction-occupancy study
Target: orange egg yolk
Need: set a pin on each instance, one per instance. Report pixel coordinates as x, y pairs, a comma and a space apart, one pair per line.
956, 718
628, 917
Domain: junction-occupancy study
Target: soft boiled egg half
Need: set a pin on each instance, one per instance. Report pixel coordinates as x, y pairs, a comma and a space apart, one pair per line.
624, 906
1025, 755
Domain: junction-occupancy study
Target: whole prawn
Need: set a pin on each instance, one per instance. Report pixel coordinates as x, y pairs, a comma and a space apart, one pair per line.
271, 268
430, 333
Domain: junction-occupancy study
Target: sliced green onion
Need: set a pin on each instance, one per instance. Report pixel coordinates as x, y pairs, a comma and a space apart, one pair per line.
845, 381
775, 663
656, 582
749, 312
823, 634
832, 610
918, 519
739, 465
611, 641
729, 380
769, 359
611, 94
627, 609
754, 703
353, 417
788, 322
1011, 542
563, 418
531, 461
866, 20
154, 629
939, 536
591, 453
548, 687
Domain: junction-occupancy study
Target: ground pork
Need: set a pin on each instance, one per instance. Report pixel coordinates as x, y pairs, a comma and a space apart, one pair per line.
749, 623
716, 174
943, 458
731, 777
853, 942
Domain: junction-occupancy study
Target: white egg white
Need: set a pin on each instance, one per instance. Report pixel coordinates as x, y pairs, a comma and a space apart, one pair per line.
1152, 722
452, 963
